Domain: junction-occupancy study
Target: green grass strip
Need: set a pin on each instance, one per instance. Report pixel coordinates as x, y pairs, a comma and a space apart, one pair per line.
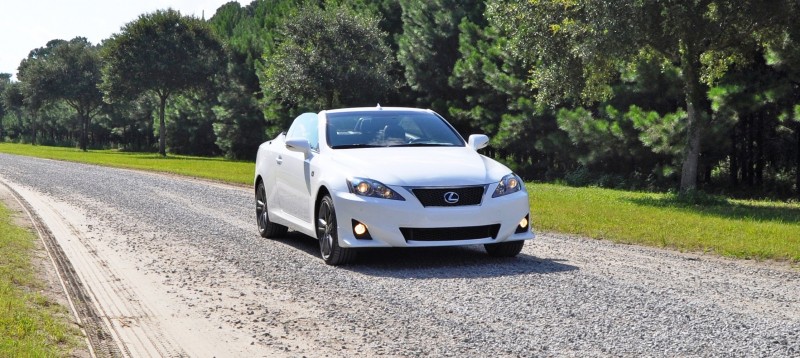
733, 228
30, 324
239, 172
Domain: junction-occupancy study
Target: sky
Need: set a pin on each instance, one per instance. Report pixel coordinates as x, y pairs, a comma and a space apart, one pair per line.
29, 24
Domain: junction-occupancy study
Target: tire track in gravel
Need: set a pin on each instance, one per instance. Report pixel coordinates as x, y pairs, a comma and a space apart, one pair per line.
115, 322
171, 300
99, 338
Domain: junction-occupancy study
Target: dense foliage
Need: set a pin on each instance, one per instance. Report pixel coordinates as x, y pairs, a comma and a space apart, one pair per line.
64, 71
635, 94
326, 58
167, 52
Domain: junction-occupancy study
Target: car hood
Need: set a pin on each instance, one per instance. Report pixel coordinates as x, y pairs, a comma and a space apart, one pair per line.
421, 166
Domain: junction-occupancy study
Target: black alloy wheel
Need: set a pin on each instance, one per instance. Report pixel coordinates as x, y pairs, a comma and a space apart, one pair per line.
327, 233
266, 228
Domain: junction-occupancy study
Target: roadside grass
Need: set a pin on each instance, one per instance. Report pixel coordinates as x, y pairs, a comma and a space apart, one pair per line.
240, 172
734, 228
727, 227
31, 325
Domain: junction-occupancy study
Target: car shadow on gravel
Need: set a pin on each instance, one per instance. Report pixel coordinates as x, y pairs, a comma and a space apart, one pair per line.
435, 262
450, 262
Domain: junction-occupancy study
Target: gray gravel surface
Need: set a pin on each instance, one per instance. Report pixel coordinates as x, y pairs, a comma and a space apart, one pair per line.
562, 296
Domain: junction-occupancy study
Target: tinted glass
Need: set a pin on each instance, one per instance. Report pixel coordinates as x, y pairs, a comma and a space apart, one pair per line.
389, 129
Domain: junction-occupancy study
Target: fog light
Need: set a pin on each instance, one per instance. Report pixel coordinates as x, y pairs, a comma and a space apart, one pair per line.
360, 229
523, 225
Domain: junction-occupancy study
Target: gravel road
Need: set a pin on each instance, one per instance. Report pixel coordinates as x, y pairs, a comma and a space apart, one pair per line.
562, 296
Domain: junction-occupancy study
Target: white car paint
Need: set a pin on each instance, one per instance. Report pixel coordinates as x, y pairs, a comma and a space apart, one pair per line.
296, 176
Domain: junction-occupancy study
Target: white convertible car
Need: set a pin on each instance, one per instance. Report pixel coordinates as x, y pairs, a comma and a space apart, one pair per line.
387, 177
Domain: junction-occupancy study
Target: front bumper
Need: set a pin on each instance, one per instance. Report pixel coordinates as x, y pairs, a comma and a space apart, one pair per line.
384, 219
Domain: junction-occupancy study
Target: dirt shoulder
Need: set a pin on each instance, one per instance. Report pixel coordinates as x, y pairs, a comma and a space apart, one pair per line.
44, 266
122, 311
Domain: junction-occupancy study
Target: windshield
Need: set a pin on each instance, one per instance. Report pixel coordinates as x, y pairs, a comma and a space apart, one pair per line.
389, 128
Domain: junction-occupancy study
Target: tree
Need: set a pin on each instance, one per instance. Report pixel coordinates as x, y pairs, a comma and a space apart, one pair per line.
784, 55
497, 101
5, 80
328, 57
130, 124
68, 71
575, 49
249, 33
163, 53
239, 128
429, 46
14, 102
33, 99
190, 130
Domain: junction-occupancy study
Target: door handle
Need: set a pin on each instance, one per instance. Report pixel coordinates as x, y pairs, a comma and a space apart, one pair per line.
279, 160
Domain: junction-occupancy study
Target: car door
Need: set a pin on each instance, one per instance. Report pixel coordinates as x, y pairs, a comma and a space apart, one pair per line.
294, 169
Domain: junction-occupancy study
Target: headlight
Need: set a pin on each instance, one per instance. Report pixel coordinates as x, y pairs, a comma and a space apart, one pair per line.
372, 188
510, 183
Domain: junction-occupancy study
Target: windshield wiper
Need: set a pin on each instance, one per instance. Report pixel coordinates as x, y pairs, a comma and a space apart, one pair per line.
423, 145
350, 146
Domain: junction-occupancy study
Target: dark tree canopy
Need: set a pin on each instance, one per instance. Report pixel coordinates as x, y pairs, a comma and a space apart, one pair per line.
169, 53
68, 71
5, 81
577, 48
429, 46
329, 57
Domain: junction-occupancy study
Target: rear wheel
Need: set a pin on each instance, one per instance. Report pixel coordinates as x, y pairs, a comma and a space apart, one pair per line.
327, 233
504, 249
266, 227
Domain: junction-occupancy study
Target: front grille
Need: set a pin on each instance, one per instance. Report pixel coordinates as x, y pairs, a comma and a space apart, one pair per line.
436, 196
450, 233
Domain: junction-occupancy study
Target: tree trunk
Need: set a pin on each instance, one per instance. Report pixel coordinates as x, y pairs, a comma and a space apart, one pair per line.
759, 141
797, 162
33, 128
329, 99
696, 115
747, 174
87, 130
82, 118
734, 169
162, 129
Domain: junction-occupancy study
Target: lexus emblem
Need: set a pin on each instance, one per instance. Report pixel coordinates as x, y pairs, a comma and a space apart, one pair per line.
451, 197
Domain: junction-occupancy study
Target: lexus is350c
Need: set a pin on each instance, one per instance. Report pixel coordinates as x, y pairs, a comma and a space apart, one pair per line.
387, 177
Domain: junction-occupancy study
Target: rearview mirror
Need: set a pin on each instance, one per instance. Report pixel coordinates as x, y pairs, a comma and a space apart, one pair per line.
478, 141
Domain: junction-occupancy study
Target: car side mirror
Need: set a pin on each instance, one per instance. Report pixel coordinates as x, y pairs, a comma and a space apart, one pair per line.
298, 145
478, 141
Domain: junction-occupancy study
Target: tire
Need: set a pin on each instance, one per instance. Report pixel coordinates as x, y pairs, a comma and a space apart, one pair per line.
504, 249
328, 237
266, 228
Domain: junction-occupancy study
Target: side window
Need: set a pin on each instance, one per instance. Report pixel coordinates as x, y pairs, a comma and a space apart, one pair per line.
313, 133
305, 126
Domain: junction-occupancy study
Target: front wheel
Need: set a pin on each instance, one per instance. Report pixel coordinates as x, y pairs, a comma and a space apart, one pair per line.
504, 249
266, 228
328, 236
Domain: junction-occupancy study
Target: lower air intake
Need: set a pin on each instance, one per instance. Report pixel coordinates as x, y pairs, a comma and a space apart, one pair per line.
450, 233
